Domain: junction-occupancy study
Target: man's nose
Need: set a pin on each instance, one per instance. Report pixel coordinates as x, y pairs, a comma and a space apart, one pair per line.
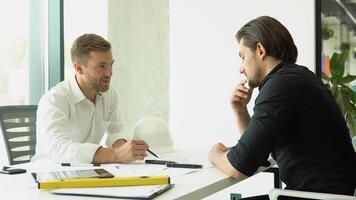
108, 71
242, 70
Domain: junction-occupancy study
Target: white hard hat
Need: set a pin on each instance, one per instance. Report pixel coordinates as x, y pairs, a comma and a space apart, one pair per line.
155, 132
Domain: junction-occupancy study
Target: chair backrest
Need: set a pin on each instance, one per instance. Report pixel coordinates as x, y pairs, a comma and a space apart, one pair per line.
18, 127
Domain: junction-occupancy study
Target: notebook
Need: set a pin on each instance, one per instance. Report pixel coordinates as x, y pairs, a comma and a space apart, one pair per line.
130, 192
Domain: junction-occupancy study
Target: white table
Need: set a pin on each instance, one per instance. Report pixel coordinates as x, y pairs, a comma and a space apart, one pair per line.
195, 185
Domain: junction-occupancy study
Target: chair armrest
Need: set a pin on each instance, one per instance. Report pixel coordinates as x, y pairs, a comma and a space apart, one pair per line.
277, 180
275, 193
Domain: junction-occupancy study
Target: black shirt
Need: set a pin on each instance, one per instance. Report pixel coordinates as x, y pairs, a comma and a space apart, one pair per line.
297, 120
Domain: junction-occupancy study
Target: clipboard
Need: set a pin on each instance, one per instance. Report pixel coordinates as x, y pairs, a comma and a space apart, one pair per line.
131, 192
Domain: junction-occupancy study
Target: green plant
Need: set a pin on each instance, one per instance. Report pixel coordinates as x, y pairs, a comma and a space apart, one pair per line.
338, 84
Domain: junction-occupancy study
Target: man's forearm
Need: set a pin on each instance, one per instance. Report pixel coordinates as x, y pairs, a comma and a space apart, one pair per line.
242, 119
222, 163
118, 142
104, 155
107, 155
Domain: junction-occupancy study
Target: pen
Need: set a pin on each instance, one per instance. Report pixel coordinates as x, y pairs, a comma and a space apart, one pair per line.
152, 153
80, 164
159, 162
178, 165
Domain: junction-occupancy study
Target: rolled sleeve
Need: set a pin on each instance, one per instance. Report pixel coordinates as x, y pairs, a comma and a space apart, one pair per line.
241, 161
86, 152
113, 138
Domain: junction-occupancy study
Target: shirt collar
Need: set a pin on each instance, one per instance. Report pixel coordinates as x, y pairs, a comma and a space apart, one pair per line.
274, 70
76, 91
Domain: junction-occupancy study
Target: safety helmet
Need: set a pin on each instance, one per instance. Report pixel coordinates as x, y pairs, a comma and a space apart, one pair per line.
155, 132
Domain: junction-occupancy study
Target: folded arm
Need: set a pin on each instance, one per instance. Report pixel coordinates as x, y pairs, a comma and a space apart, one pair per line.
218, 157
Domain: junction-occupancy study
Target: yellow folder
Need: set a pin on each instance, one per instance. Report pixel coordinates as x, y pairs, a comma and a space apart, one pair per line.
104, 182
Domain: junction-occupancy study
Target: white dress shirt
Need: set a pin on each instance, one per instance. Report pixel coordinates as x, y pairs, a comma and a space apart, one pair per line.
70, 126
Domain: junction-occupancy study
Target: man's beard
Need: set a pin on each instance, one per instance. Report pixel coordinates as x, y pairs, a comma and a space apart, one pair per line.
252, 84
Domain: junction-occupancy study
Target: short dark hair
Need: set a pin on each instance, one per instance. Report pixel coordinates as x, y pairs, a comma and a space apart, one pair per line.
87, 43
273, 36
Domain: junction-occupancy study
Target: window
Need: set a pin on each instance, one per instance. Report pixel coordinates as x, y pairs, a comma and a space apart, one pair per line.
14, 53
337, 33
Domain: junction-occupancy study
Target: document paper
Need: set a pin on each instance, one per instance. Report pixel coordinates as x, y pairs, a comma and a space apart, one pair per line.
130, 192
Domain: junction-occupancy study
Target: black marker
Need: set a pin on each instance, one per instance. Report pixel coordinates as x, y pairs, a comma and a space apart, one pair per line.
178, 165
159, 162
80, 164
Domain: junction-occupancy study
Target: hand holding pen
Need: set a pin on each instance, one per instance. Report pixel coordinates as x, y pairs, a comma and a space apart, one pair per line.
130, 151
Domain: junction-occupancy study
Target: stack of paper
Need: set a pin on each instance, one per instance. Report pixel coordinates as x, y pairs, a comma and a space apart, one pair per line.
133, 192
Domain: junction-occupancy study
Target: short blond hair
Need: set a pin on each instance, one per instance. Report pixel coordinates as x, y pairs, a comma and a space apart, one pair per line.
86, 43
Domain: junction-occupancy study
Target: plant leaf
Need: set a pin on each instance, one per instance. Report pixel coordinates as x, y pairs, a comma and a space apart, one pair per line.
348, 109
343, 57
348, 93
347, 79
340, 101
344, 96
351, 123
337, 65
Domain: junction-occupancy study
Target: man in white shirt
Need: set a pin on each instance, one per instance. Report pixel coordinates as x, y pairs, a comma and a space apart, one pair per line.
74, 115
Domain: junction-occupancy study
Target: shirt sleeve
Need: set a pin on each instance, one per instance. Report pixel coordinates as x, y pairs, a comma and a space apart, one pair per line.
53, 132
273, 111
115, 129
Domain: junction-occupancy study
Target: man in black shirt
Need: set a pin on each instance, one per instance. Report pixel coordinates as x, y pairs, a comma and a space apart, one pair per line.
295, 117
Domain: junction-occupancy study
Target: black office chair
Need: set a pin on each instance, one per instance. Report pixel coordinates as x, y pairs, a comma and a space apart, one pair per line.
18, 127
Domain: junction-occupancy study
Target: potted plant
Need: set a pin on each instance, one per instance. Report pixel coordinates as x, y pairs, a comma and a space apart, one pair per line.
345, 97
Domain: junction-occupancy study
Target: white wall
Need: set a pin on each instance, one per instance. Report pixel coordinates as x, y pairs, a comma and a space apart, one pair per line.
204, 62
139, 34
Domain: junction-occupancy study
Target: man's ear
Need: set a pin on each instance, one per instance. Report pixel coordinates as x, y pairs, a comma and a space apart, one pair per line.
260, 50
78, 67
